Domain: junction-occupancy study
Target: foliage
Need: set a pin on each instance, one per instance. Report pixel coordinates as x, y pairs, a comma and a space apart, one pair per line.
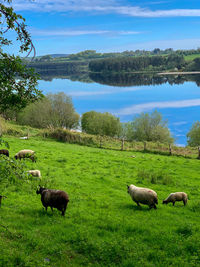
11, 172
193, 136
55, 110
126, 64
15, 93
98, 123
149, 127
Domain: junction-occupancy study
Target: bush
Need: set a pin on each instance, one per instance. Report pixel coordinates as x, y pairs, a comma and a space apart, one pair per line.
100, 123
55, 110
11, 172
193, 136
148, 127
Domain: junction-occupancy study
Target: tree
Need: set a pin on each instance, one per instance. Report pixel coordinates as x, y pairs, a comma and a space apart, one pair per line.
17, 83
193, 136
149, 127
97, 123
54, 110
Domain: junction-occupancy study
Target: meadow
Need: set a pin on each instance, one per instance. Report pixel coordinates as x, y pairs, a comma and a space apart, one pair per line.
102, 225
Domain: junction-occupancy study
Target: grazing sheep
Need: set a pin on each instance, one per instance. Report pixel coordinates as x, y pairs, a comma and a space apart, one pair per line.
35, 173
53, 198
142, 195
1, 199
4, 152
26, 153
178, 196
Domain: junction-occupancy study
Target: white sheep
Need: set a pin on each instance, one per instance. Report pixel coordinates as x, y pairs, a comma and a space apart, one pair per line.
35, 173
26, 153
178, 196
142, 195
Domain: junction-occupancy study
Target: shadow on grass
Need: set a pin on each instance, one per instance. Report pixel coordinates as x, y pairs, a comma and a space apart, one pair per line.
135, 207
41, 212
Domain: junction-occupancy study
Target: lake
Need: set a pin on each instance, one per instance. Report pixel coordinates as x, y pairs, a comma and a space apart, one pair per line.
177, 98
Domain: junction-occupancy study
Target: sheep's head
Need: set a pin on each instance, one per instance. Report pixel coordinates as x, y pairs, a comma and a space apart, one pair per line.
40, 190
164, 202
15, 157
128, 189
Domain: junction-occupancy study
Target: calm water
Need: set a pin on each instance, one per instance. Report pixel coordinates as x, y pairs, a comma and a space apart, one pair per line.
179, 103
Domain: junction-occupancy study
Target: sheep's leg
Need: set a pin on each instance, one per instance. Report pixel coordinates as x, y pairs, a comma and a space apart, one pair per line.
154, 206
173, 203
52, 209
184, 202
63, 210
137, 203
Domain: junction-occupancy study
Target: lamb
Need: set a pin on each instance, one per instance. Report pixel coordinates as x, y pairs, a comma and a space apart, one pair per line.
178, 196
35, 173
53, 198
26, 153
142, 195
1, 199
4, 152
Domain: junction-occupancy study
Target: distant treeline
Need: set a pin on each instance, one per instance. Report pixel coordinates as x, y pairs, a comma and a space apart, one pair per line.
59, 68
128, 64
126, 61
92, 54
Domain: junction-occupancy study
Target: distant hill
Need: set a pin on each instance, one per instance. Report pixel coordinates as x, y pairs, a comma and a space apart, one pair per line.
58, 55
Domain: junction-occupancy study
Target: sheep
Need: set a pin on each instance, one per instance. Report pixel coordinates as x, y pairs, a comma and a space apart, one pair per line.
26, 153
1, 199
35, 173
142, 195
53, 198
4, 152
178, 196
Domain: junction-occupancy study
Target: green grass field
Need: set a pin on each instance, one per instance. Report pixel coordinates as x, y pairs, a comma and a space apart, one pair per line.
191, 57
102, 225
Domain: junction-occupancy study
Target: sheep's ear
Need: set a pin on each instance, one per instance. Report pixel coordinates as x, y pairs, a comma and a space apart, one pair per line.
127, 186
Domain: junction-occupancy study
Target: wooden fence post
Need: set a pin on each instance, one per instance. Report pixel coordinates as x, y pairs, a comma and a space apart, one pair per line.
170, 150
198, 152
145, 146
28, 134
122, 147
100, 143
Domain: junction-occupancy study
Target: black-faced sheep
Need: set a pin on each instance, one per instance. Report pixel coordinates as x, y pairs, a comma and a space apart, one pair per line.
1, 199
142, 195
35, 173
4, 152
53, 198
178, 196
26, 153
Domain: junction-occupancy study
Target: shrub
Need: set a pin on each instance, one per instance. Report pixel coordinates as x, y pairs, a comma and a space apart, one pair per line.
55, 110
11, 172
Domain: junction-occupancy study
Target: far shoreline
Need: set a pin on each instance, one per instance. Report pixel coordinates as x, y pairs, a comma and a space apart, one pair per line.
178, 72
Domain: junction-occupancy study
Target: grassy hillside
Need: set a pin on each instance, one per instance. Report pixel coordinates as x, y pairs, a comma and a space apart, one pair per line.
191, 57
102, 225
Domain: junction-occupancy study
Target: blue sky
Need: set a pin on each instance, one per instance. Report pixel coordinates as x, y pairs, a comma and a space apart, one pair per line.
71, 26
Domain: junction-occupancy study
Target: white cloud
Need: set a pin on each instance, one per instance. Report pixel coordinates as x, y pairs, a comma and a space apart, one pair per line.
108, 91
179, 123
135, 109
101, 6
66, 32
